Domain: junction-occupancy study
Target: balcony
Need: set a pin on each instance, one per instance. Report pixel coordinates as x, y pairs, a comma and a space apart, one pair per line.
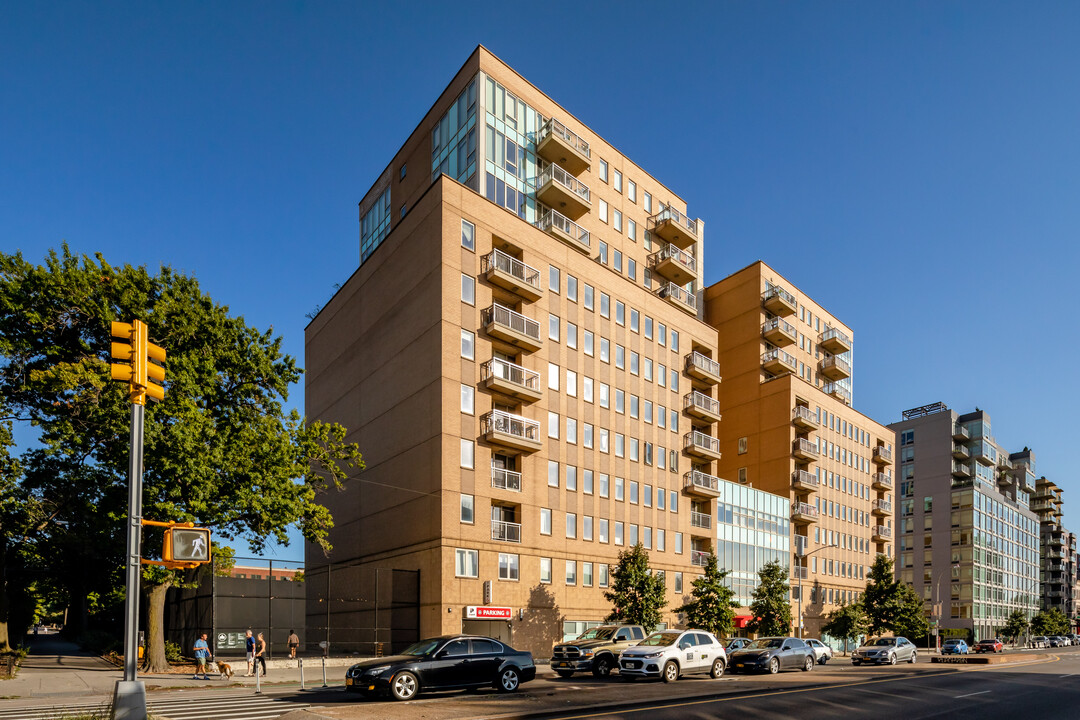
505, 479
701, 445
779, 332
805, 450
1055, 568
881, 533
702, 367
505, 324
1054, 540
558, 144
701, 484
700, 520
509, 379
779, 301
804, 513
881, 507
835, 341
881, 481
805, 481
512, 274
701, 406
799, 573
962, 469
699, 558
960, 452
835, 368
778, 361
671, 225
985, 453
560, 190
960, 433
838, 391
511, 431
505, 531
882, 455
560, 227
679, 297
674, 264
805, 418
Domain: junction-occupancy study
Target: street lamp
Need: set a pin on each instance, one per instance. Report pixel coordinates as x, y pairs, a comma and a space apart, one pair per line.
937, 604
801, 573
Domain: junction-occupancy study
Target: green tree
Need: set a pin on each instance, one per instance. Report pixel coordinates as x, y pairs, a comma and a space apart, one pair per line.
770, 607
636, 593
882, 598
1056, 622
1041, 623
910, 620
847, 623
711, 606
220, 450
1015, 626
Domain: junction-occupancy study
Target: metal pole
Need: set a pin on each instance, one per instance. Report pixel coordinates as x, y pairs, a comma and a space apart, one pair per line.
324, 672
301, 673
270, 612
376, 647
327, 648
134, 544
258, 687
800, 602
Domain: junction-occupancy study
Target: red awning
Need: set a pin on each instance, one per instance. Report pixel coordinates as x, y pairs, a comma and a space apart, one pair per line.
741, 620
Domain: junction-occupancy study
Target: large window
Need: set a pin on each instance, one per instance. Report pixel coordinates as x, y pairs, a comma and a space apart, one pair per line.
374, 225
453, 140
508, 566
467, 564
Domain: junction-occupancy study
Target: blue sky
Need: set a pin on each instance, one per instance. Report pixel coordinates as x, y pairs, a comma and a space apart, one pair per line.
911, 166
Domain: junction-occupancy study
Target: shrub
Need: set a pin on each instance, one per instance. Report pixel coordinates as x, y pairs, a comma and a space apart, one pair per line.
172, 652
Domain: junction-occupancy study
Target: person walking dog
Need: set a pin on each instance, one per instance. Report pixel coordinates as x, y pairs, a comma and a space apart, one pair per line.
202, 655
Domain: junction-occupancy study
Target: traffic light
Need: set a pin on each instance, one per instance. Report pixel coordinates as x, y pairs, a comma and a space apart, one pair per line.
186, 545
135, 367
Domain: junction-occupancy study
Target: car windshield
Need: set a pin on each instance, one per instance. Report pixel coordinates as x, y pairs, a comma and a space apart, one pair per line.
953, 642
424, 647
662, 639
764, 643
990, 641
597, 633
884, 641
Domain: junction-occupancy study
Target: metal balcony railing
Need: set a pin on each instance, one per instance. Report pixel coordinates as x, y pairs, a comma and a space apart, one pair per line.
784, 357
805, 478
700, 520
701, 401
696, 478
699, 558
551, 218
785, 327
511, 373
552, 172
669, 213
802, 412
672, 252
801, 508
505, 479
671, 290
880, 451
696, 438
509, 424
705, 364
882, 479
838, 363
505, 531
883, 505
556, 128
498, 260
805, 446
777, 291
500, 315
882, 531
835, 333
838, 391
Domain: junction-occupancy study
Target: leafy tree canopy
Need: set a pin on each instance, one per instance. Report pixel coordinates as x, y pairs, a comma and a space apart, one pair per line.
711, 606
847, 622
910, 620
636, 593
882, 599
770, 607
1016, 625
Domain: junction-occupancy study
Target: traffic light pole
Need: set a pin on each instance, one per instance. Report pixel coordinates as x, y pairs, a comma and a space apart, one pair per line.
129, 701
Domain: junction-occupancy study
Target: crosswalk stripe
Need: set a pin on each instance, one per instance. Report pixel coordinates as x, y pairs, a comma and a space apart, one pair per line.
206, 706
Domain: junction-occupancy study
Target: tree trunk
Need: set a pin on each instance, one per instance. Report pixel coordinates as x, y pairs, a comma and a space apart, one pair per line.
5, 604
154, 659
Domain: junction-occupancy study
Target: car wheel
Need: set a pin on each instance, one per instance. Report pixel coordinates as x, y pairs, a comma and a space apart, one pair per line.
892, 659
717, 668
671, 671
509, 679
913, 656
824, 659
602, 667
808, 664
404, 686
774, 666
564, 673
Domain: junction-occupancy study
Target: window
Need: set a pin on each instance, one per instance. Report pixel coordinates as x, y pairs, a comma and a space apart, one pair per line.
467, 563
646, 495
678, 582
468, 342
633, 491
571, 572
571, 525
588, 296
620, 357
586, 574
603, 483
602, 575
508, 567
605, 305
467, 453
616, 222
587, 388
553, 279
603, 171
635, 318
587, 481
545, 521
553, 328
553, 473
588, 337
553, 377
467, 506
602, 254
631, 268
659, 498
468, 235
631, 190
620, 312
618, 181
571, 287
648, 203
571, 335
553, 425
401, 212
661, 333
571, 431
620, 401
602, 530
545, 570
586, 527
673, 497
571, 383
619, 485
401, 173
571, 477
467, 398
605, 350
618, 533
678, 543
604, 393
675, 341
603, 211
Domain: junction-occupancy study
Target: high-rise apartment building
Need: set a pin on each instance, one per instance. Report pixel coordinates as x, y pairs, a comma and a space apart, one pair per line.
968, 534
522, 360
1058, 545
788, 428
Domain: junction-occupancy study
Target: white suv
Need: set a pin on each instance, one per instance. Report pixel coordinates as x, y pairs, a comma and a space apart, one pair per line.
670, 653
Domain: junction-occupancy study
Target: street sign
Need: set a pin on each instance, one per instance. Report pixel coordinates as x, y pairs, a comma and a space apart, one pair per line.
488, 612
189, 544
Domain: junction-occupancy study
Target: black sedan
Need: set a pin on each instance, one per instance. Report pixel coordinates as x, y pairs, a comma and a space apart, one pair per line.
443, 663
773, 654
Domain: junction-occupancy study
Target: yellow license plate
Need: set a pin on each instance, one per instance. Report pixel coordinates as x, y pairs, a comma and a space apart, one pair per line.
348, 681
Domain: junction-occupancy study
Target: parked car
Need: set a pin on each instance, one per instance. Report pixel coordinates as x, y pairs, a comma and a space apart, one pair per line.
669, 654
443, 663
955, 646
1040, 641
596, 650
737, 643
992, 645
822, 652
889, 650
773, 654
1074, 639
1057, 641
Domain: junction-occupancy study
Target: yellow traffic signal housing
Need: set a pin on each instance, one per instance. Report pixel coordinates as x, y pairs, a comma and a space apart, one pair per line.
186, 545
136, 355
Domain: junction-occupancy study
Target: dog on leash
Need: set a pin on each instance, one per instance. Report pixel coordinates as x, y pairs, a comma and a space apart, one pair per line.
226, 670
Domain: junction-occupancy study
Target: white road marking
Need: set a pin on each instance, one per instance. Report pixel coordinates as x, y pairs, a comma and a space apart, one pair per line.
981, 692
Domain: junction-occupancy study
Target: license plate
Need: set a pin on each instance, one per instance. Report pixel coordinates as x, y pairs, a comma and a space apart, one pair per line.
348, 681
632, 664
738, 664
564, 664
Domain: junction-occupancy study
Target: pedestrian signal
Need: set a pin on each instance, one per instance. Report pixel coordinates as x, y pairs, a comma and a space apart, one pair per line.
191, 545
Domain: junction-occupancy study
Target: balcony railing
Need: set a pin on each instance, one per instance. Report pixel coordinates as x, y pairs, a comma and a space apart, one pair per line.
835, 340
804, 448
882, 481
505, 531
779, 301
505, 479
554, 222
511, 373
699, 558
672, 252
510, 265
838, 391
555, 128
553, 173
779, 331
702, 366
670, 214
960, 433
804, 416
835, 367
697, 440
777, 361
882, 531
672, 291
962, 469
805, 480
515, 321
701, 402
805, 510
801, 544
882, 454
700, 520
699, 481
883, 506
508, 424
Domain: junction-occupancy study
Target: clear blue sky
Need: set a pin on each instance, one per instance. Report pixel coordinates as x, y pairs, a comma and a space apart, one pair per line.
912, 166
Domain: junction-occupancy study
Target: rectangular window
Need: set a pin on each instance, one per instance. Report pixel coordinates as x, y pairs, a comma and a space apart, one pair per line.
467, 563
588, 337
545, 570
571, 287
673, 497
571, 335
620, 312
466, 453
620, 401
603, 211
545, 521
571, 572
646, 495
605, 350
553, 377
553, 279
632, 535
620, 444
553, 425
678, 543
633, 491
603, 170
602, 530
468, 235
619, 486
661, 540
620, 357
467, 505
553, 473
586, 388
468, 289
553, 327
508, 566
604, 394
588, 296
586, 574
467, 399
571, 477
617, 181
602, 575
602, 254
587, 481
571, 525
661, 333
571, 383
631, 190
674, 341
587, 440
618, 533
586, 527
571, 431
603, 481
468, 342
648, 203
616, 222
635, 318
631, 269
605, 305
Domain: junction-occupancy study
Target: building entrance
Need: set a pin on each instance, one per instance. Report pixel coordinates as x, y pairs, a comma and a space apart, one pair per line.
498, 629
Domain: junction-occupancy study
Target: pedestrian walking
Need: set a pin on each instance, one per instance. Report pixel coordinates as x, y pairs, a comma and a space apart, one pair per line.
294, 643
202, 655
250, 644
260, 653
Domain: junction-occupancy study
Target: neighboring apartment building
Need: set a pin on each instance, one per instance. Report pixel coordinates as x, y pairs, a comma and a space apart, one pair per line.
788, 428
969, 537
1058, 545
521, 358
